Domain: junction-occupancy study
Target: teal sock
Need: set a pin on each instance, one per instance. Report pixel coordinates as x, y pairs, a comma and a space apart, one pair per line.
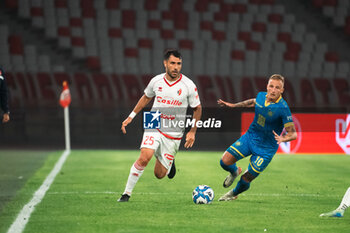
230, 168
241, 186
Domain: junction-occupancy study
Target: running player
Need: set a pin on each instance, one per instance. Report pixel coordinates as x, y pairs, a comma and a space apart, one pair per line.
261, 141
173, 93
339, 212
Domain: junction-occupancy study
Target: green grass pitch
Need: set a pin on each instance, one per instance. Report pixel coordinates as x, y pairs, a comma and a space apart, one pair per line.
287, 197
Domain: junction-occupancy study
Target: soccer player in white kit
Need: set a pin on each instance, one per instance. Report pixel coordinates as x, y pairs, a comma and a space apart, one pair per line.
173, 92
339, 212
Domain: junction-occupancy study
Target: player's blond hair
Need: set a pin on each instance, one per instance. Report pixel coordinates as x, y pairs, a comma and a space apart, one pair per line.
277, 77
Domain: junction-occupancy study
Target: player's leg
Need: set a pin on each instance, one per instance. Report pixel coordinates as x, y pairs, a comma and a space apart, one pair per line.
228, 163
166, 157
150, 142
339, 212
235, 152
256, 166
136, 172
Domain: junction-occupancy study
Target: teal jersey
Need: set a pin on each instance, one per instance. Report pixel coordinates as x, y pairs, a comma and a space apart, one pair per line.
269, 117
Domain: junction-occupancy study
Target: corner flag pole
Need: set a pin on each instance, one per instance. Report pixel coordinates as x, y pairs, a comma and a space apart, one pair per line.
65, 100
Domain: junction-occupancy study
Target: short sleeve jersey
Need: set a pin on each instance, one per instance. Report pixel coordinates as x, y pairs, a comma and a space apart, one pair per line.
269, 117
172, 100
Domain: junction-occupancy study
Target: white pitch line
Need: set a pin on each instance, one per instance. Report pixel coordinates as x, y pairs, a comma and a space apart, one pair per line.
23, 217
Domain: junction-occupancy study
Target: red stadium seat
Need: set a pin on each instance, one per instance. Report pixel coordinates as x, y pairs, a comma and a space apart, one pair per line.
60, 77
206, 88
167, 34
16, 46
330, 3
132, 87
206, 25
186, 44
117, 86
252, 45
64, 31
307, 93
83, 86
131, 52
93, 62
318, 3
237, 55
247, 89
259, 27
239, 8
181, 20
115, 33
275, 18
61, 4
13, 4
36, 12
218, 35
221, 85
343, 91
128, 19
112, 4
151, 5
284, 37
201, 5
154, 24
324, 86
332, 57
244, 36
45, 86
76, 22
78, 41
145, 43
103, 87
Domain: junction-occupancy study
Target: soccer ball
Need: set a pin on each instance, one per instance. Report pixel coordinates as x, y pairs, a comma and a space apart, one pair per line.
203, 194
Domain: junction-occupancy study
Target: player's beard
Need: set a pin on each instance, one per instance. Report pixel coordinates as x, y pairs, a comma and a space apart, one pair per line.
173, 75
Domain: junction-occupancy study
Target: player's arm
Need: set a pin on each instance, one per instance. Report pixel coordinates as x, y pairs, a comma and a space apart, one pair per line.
246, 103
291, 135
191, 135
143, 101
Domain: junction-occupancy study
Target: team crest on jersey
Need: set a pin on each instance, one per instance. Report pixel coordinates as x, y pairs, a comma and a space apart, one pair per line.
179, 91
238, 143
270, 113
160, 89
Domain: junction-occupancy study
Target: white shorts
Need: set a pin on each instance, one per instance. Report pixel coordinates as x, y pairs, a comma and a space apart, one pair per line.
164, 148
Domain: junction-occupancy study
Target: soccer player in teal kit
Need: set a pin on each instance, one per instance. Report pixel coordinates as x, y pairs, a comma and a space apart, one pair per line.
261, 141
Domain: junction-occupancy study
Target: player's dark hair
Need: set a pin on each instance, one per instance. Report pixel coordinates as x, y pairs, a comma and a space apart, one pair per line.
173, 52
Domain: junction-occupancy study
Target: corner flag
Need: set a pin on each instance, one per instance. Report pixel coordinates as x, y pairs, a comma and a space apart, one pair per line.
65, 100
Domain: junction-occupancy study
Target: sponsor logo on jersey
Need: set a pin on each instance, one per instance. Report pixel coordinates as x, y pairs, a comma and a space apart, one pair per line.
160, 89
169, 101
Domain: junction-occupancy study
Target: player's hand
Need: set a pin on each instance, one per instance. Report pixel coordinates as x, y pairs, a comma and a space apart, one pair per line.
190, 138
5, 118
224, 103
278, 138
125, 123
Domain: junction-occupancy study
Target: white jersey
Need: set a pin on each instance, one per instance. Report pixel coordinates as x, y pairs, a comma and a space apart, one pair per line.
172, 100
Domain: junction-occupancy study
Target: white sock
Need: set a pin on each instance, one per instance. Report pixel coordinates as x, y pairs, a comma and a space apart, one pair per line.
345, 203
135, 174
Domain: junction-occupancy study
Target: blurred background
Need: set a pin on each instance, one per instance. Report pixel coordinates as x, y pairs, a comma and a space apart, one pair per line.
108, 50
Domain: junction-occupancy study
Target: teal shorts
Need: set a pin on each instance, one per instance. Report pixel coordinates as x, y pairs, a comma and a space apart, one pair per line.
259, 157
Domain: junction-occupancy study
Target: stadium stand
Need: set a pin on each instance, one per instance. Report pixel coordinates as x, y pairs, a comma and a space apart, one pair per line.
227, 40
